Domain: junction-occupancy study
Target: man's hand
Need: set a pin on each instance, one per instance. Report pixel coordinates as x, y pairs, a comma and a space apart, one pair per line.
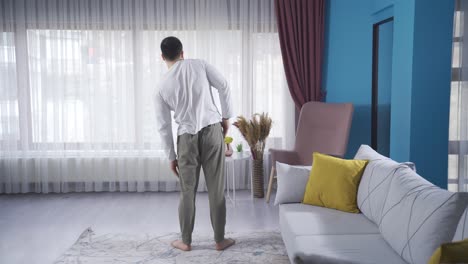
225, 125
175, 167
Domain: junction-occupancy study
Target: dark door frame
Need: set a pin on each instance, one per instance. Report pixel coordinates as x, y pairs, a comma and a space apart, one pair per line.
375, 80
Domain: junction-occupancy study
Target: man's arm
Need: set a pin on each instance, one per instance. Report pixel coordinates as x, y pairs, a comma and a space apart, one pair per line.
225, 125
217, 80
163, 117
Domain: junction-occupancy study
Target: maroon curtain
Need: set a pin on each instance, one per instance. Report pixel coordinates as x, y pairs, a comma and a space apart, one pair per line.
301, 29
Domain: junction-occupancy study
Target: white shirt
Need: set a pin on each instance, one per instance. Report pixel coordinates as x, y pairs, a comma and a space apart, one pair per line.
186, 90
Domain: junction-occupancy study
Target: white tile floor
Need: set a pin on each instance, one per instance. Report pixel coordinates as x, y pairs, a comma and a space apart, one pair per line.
37, 228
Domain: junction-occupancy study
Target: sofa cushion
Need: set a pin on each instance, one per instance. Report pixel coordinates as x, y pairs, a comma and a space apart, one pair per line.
299, 221
334, 182
453, 252
375, 182
418, 217
331, 249
374, 187
462, 229
291, 183
368, 153
302, 219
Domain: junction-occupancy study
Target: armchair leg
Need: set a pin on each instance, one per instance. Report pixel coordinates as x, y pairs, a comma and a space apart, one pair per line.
270, 184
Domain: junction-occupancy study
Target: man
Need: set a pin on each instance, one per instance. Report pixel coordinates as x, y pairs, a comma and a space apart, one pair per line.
186, 90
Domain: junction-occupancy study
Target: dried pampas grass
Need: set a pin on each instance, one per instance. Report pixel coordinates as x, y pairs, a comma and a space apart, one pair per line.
255, 132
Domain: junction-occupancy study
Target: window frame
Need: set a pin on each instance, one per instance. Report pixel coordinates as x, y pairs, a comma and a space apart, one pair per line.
456, 147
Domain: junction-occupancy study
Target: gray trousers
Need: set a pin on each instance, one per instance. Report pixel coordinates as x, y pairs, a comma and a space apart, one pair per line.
204, 149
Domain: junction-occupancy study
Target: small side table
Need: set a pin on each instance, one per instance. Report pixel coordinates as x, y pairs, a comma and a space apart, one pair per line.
230, 173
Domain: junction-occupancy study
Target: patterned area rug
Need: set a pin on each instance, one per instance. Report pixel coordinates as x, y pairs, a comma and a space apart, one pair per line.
255, 247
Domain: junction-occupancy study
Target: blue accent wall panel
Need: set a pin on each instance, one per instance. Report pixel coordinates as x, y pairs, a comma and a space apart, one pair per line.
347, 64
420, 75
379, 5
430, 101
400, 125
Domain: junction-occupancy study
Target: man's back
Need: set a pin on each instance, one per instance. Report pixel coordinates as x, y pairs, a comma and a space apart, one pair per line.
186, 90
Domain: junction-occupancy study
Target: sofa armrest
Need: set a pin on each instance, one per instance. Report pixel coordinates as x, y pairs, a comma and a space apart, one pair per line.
284, 156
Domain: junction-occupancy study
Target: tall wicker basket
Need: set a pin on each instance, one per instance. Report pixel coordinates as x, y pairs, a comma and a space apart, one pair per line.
257, 178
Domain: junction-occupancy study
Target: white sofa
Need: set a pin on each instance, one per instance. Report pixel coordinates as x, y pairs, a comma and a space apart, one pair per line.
404, 218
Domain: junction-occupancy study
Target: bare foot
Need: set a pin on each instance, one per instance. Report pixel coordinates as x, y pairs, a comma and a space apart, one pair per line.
225, 244
181, 245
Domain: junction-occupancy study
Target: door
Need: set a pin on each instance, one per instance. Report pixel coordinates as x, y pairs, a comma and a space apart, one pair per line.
381, 85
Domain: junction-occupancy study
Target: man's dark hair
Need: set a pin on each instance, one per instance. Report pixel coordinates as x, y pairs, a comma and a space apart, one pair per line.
171, 47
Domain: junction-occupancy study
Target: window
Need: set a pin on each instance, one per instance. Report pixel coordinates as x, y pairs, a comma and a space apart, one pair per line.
269, 93
458, 126
87, 73
77, 80
81, 81
9, 113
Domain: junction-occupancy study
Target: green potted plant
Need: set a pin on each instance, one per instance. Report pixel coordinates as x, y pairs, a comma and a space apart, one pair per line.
239, 147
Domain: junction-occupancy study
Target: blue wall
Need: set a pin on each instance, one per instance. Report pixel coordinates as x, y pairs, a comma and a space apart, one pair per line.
347, 64
430, 100
403, 38
379, 5
420, 75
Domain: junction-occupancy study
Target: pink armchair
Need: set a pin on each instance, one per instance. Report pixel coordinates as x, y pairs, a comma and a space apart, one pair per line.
322, 127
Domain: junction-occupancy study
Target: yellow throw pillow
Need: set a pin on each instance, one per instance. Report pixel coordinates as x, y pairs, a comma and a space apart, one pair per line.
455, 252
334, 182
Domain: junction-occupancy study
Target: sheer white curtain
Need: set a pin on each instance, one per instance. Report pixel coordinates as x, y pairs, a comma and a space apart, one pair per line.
458, 136
77, 77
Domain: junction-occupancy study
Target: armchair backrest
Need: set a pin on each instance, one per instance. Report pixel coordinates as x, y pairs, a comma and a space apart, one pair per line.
323, 127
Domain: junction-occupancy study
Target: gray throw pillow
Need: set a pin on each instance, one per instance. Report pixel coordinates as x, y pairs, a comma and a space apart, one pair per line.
292, 181
375, 182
